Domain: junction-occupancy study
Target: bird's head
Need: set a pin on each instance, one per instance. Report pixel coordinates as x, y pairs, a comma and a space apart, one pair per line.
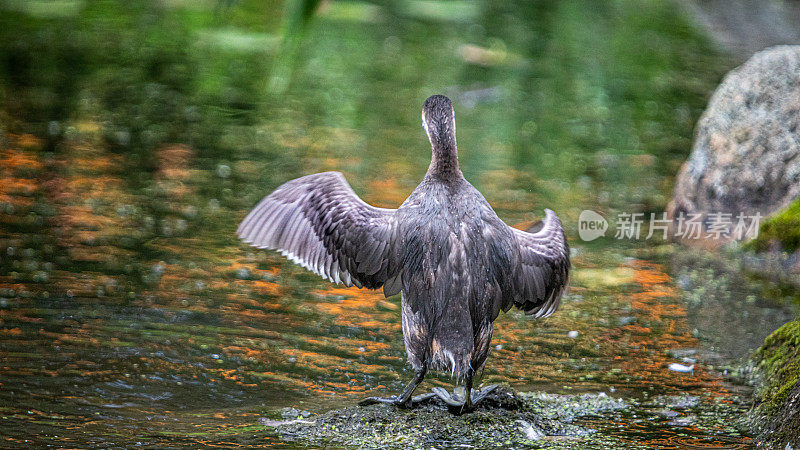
439, 122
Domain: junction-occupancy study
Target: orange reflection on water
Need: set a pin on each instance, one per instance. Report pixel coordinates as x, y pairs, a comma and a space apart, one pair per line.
19, 170
174, 162
661, 326
648, 277
359, 308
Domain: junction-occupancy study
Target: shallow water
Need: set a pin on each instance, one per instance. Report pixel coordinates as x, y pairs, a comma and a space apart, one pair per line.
137, 136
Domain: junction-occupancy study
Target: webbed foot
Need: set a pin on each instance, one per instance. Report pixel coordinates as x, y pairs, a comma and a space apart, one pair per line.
397, 400
459, 401
480, 394
404, 400
392, 400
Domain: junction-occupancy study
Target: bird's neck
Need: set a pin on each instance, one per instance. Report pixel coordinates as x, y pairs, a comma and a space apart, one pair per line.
444, 162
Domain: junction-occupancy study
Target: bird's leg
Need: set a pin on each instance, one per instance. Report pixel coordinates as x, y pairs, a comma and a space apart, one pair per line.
403, 400
467, 407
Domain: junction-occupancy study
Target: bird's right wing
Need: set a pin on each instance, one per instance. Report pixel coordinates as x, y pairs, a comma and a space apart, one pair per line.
318, 222
544, 255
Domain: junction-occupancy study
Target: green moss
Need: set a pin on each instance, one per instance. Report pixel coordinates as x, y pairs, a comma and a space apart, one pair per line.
782, 227
776, 419
780, 364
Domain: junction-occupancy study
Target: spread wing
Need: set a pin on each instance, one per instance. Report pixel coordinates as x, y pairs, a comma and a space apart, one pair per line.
317, 221
544, 255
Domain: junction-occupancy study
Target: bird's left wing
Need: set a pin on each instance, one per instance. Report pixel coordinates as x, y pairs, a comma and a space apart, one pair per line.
317, 221
544, 254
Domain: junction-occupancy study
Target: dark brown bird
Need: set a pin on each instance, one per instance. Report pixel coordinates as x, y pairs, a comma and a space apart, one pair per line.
455, 262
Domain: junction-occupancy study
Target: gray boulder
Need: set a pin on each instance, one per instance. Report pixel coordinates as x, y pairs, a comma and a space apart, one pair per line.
746, 156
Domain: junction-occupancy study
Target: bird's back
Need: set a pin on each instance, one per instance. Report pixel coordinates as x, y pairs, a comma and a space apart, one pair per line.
457, 255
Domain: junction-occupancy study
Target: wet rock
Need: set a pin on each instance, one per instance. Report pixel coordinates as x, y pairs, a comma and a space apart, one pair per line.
158, 269
294, 413
190, 211
223, 171
529, 431
504, 419
668, 413
181, 225
685, 401
746, 157
627, 320
776, 418
570, 407
677, 401
684, 281
503, 398
243, 273
276, 423
683, 421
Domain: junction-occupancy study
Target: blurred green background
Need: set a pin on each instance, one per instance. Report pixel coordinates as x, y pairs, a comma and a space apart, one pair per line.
583, 94
137, 134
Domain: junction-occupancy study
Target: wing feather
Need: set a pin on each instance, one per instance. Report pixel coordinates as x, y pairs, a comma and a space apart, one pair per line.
544, 255
318, 222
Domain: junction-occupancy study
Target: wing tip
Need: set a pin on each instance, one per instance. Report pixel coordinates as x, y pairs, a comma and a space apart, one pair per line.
550, 215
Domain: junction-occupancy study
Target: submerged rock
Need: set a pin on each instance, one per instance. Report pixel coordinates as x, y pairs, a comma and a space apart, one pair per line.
746, 157
677, 401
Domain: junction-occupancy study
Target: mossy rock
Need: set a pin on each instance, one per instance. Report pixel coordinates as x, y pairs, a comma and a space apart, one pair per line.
497, 422
778, 412
782, 228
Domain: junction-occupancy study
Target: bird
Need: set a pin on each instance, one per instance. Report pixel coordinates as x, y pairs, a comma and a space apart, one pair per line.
454, 261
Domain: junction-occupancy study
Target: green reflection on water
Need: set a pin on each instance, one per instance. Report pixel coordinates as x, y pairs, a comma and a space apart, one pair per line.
139, 133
